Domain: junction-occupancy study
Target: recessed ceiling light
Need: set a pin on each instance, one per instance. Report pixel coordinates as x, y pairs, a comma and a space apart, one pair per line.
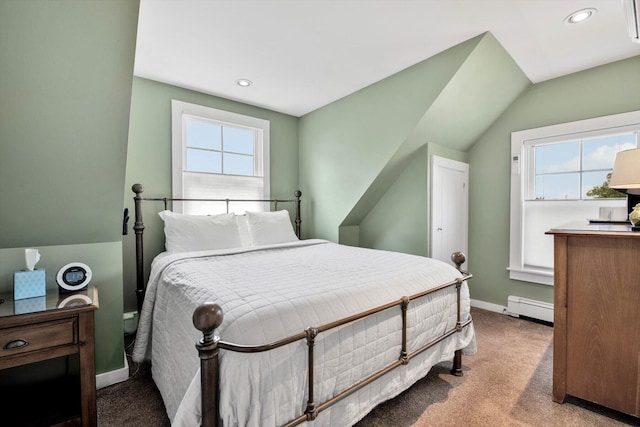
244, 82
580, 16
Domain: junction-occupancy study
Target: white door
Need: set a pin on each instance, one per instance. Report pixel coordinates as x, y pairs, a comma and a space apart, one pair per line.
449, 208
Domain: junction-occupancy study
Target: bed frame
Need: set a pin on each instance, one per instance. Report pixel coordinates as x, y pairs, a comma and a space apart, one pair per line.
208, 316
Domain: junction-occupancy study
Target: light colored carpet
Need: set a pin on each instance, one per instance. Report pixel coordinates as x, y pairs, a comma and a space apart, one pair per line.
507, 383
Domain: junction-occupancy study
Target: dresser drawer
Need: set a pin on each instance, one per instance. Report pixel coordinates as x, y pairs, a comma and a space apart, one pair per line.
38, 336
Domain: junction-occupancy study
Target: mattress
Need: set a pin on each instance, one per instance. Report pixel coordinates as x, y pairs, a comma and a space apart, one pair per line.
271, 292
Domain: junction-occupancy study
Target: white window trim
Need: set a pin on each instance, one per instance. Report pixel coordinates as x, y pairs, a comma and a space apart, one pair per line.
517, 269
181, 109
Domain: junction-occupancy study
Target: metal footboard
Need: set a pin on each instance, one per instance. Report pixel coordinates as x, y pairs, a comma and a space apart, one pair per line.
208, 316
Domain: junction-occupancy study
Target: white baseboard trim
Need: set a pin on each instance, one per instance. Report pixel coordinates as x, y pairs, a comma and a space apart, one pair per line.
489, 306
113, 377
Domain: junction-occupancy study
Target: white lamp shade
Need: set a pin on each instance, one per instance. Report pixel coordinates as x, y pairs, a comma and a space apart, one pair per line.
626, 172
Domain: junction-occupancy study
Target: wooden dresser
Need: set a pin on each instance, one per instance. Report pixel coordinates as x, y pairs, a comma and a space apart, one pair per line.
596, 353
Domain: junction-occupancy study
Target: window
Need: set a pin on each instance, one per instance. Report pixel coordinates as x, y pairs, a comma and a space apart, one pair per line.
218, 155
571, 170
212, 147
560, 174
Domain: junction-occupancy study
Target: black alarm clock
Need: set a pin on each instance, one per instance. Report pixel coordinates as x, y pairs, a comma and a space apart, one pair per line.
74, 276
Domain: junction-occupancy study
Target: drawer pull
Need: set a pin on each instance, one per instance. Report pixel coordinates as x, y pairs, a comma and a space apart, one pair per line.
12, 345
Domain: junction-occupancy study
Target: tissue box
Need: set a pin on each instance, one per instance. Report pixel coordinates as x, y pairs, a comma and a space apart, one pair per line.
29, 284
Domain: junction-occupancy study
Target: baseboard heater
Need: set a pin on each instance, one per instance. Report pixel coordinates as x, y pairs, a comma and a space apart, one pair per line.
518, 306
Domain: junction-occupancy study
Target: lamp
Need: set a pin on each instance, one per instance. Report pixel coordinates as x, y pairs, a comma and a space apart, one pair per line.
626, 178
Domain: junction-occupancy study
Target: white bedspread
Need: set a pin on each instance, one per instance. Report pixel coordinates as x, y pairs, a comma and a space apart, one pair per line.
272, 292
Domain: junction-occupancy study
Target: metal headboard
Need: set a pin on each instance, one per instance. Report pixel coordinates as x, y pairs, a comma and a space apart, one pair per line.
138, 226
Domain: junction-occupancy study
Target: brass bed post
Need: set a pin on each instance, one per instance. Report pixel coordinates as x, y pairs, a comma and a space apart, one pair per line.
404, 356
458, 259
138, 227
298, 194
206, 318
311, 411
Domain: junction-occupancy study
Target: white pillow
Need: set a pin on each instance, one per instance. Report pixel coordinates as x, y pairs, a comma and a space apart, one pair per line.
269, 228
186, 233
243, 229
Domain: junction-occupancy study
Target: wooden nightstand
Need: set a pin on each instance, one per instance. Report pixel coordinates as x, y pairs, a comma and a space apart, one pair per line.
35, 330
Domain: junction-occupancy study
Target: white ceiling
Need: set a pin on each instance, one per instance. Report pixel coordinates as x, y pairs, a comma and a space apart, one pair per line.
303, 54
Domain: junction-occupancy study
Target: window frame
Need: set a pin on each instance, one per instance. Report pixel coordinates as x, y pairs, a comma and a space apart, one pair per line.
181, 110
520, 178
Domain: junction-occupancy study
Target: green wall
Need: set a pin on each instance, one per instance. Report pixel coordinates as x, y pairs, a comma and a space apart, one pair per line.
66, 87
400, 221
66, 69
149, 160
345, 145
600, 91
364, 159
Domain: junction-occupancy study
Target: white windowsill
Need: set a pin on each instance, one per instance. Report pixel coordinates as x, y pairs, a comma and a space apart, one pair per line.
541, 276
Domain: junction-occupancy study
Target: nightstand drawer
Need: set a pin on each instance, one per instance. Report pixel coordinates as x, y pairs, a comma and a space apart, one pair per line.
38, 336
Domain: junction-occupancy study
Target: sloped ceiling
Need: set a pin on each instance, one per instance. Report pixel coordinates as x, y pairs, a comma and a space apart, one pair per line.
477, 93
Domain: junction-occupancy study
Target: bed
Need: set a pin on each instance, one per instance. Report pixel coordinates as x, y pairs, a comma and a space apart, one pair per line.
289, 330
